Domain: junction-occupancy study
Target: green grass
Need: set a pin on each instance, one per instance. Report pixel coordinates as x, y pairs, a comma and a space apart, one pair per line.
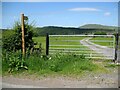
61, 41
0, 66
108, 44
41, 40
68, 65
66, 38
66, 41
72, 42
57, 42
111, 65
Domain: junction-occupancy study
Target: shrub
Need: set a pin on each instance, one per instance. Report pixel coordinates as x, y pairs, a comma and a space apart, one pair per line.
12, 39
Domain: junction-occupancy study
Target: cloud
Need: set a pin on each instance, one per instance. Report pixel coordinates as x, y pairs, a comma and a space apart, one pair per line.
83, 9
107, 14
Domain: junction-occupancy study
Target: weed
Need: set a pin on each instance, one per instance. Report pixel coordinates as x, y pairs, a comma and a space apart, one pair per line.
14, 62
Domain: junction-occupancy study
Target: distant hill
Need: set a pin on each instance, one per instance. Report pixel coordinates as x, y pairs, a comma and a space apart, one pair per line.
98, 26
59, 30
86, 29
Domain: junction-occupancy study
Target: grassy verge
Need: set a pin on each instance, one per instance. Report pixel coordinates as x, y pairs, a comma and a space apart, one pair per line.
67, 65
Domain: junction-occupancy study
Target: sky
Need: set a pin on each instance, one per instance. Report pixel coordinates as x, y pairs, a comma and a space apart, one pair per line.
67, 14
60, 0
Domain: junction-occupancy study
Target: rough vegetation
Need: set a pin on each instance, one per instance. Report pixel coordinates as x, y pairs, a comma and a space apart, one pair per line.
70, 65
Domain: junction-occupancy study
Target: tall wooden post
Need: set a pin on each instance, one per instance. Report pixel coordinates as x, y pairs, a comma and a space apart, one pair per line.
23, 34
47, 44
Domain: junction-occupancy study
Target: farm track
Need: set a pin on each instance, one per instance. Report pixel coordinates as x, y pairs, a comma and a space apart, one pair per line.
90, 81
108, 53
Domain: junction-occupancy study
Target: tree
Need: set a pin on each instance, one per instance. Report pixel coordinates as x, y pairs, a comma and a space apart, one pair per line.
12, 39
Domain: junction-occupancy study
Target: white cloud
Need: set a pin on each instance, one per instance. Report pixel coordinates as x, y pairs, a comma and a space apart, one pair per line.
107, 14
83, 9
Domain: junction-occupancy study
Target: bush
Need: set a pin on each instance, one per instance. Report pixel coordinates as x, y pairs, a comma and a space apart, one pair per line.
12, 39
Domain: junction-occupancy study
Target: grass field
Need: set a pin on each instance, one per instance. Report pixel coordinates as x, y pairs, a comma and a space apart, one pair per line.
41, 40
68, 44
72, 42
104, 41
56, 41
61, 42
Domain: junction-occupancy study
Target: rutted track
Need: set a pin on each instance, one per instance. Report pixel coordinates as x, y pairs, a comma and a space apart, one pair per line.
108, 53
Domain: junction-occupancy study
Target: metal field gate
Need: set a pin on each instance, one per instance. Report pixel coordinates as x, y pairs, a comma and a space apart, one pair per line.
92, 46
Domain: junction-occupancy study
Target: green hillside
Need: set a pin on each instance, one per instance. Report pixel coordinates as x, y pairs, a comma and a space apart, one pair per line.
60, 30
98, 26
68, 30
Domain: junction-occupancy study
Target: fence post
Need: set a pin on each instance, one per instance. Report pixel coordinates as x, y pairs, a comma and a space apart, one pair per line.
47, 44
116, 46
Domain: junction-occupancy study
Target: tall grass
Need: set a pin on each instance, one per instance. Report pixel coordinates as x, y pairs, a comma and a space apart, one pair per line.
60, 64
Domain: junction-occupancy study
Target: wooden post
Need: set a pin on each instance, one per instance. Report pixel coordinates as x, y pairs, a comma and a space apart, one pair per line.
23, 34
116, 46
47, 44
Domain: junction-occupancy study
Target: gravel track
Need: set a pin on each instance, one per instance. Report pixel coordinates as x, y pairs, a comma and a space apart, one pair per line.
89, 81
105, 51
